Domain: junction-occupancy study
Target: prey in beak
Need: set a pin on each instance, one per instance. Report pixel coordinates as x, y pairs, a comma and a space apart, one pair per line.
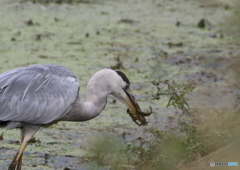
135, 112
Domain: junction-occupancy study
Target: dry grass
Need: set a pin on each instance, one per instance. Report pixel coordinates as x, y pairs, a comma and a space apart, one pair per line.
215, 138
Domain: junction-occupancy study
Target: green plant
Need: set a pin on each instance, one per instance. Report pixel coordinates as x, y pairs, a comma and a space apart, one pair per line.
177, 97
107, 151
177, 93
164, 150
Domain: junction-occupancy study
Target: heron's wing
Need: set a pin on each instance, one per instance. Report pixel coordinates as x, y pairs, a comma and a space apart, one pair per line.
37, 94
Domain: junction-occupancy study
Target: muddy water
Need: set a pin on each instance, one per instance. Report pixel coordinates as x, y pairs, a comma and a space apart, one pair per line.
150, 38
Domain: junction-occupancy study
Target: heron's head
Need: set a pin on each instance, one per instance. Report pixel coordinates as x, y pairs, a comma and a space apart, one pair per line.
117, 83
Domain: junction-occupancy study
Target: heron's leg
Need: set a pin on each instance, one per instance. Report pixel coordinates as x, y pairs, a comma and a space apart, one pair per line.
20, 159
26, 134
19, 163
16, 159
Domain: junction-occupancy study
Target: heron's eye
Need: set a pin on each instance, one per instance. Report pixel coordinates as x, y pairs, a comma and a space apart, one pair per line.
127, 88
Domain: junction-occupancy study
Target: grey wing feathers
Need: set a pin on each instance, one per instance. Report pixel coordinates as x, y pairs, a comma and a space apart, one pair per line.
37, 94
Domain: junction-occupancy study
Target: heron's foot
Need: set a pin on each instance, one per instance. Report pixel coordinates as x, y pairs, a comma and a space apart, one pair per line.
13, 165
16, 163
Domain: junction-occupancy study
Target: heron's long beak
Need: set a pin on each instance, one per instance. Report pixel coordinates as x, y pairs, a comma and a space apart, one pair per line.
135, 112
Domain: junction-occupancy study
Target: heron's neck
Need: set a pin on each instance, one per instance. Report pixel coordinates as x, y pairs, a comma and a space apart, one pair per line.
96, 102
82, 111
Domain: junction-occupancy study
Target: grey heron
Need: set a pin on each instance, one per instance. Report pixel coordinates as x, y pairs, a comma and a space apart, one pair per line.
40, 95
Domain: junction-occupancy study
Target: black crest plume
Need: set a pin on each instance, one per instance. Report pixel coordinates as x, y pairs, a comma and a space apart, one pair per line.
124, 77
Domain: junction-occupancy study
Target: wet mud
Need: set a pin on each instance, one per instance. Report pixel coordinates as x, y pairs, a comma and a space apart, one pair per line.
144, 39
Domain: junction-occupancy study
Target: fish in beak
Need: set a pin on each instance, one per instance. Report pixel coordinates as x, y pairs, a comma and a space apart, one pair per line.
135, 112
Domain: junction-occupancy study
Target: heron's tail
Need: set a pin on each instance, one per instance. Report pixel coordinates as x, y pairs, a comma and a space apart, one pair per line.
3, 123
